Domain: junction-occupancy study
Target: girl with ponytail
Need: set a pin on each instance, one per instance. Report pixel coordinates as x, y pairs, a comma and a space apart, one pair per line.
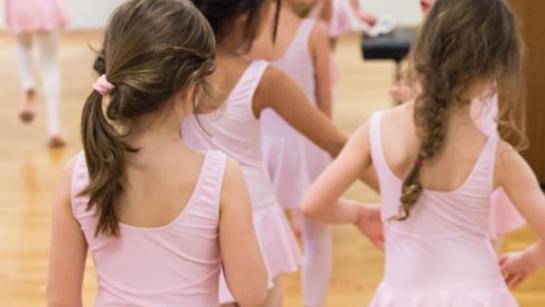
160, 219
437, 170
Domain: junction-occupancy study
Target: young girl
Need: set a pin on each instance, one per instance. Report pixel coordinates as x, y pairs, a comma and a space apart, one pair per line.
40, 21
159, 219
301, 50
341, 15
438, 251
248, 88
504, 218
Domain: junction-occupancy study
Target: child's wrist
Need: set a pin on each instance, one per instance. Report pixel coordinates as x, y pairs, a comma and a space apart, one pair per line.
536, 255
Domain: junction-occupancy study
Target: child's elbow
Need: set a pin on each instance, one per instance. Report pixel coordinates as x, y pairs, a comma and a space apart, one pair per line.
308, 209
256, 296
59, 298
337, 146
58, 301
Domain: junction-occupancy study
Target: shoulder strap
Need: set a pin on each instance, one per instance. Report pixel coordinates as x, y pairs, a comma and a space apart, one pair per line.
211, 182
488, 159
302, 37
80, 180
377, 153
248, 83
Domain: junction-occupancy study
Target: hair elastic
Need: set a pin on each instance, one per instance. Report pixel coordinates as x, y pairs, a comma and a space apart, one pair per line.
103, 86
418, 162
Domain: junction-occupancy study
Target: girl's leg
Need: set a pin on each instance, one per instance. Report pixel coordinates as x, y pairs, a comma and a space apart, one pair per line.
316, 271
23, 51
47, 43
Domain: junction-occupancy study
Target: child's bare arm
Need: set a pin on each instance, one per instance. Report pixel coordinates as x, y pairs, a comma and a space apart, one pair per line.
68, 250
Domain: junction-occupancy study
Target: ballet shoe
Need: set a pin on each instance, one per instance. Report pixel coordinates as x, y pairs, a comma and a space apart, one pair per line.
26, 116
56, 141
27, 110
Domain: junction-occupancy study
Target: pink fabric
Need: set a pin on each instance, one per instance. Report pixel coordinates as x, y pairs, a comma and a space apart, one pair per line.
35, 15
103, 86
504, 217
293, 162
340, 19
235, 130
442, 255
174, 265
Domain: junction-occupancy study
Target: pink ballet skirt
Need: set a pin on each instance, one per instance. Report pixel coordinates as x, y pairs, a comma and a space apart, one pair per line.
494, 297
341, 21
504, 217
292, 161
442, 255
35, 15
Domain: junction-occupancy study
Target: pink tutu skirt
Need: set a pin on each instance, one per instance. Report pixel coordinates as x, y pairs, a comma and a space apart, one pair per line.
341, 22
485, 297
277, 243
35, 15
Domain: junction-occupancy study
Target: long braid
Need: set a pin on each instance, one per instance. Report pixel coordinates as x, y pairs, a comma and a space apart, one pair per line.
457, 48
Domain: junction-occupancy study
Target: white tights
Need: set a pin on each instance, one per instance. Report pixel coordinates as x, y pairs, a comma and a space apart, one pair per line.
317, 261
49, 70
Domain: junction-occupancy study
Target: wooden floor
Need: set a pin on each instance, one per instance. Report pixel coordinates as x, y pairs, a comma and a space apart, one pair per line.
29, 172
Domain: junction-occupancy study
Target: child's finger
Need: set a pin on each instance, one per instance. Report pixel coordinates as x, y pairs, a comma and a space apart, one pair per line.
510, 278
379, 244
520, 278
503, 259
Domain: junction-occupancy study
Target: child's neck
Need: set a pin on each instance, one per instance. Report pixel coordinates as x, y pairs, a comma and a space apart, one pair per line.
231, 44
161, 127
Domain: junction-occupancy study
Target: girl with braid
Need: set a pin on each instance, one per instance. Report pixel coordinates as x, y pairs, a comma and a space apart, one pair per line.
437, 170
504, 217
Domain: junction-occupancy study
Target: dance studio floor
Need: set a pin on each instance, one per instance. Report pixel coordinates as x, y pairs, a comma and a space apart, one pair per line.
29, 172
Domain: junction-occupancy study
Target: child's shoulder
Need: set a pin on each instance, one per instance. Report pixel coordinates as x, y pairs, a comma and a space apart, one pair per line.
399, 113
319, 31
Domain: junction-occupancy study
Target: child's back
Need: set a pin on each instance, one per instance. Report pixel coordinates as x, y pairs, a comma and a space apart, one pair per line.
175, 262
445, 242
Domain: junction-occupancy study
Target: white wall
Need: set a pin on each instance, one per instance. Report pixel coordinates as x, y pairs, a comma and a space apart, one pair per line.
92, 14
406, 12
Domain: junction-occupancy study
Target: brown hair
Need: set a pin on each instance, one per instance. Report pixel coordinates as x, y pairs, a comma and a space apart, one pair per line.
152, 50
462, 42
223, 14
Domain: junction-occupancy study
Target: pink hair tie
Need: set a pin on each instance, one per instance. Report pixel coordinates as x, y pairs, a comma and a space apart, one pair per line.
103, 86
418, 162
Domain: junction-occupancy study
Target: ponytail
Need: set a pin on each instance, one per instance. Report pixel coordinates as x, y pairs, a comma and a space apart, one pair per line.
105, 157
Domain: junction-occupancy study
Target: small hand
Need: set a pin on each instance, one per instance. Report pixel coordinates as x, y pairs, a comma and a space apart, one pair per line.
515, 268
369, 223
368, 18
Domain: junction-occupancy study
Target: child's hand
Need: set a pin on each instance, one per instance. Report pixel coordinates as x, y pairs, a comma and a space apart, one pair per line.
369, 223
368, 18
516, 267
